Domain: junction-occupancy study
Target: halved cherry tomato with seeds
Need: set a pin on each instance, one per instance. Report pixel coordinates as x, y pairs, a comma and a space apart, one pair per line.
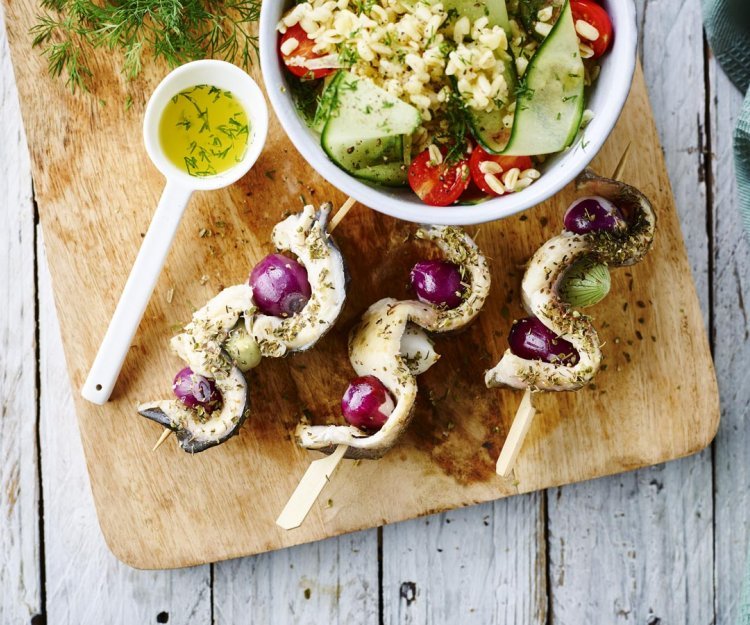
593, 14
304, 49
438, 184
479, 156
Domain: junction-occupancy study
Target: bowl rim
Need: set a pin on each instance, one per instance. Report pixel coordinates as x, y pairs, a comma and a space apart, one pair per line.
561, 169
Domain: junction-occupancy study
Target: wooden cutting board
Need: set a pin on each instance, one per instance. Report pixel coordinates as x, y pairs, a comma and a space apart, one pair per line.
96, 190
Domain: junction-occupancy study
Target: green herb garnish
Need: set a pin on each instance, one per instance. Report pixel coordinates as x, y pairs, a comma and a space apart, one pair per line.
458, 128
176, 31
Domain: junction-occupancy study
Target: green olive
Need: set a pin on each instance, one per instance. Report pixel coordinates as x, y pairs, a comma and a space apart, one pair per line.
585, 283
243, 349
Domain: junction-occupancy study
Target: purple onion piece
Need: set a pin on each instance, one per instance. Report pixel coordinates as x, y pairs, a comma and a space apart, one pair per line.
280, 286
529, 338
196, 391
437, 282
591, 214
367, 404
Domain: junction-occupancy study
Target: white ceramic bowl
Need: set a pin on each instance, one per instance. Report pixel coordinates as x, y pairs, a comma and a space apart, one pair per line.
606, 99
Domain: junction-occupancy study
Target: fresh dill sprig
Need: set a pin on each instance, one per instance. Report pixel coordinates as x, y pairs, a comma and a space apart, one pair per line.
458, 128
176, 31
523, 91
306, 95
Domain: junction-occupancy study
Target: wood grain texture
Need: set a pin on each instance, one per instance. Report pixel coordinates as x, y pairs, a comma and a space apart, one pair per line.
86, 583
483, 565
333, 581
636, 548
20, 574
732, 354
142, 498
672, 51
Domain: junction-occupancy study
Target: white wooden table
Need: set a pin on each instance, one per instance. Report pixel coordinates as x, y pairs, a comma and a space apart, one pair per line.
658, 546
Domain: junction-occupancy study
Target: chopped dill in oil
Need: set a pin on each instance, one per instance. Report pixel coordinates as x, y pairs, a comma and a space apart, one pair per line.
204, 130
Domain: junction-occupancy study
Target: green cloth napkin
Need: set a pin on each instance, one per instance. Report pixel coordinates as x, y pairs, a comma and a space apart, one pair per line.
727, 25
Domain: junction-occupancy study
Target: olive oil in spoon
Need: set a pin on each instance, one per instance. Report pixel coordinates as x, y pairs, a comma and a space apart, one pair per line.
204, 130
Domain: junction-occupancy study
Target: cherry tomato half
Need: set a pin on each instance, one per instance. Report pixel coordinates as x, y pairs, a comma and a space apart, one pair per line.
304, 49
595, 15
438, 185
479, 156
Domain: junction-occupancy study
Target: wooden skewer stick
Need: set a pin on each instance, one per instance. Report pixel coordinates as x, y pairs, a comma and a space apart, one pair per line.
318, 474
341, 213
526, 411
518, 430
164, 436
335, 221
621, 164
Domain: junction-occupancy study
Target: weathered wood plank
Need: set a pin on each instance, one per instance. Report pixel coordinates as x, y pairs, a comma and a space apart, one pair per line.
635, 548
638, 548
673, 64
334, 581
483, 565
20, 588
732, 355
85, 583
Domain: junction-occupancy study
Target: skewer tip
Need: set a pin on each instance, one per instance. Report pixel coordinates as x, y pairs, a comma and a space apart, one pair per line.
164, 436
622, 162
341, 213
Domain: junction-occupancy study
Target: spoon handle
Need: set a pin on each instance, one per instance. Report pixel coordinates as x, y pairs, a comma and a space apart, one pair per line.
136, 294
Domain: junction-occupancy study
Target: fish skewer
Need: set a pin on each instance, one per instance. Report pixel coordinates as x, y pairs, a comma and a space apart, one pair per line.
526, 410
619, 236
264, 328
388, 349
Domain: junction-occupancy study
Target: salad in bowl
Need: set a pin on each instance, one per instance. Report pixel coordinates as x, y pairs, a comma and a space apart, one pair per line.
440, 102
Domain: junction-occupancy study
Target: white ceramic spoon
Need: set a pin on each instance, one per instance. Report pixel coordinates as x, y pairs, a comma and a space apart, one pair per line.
180, 186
